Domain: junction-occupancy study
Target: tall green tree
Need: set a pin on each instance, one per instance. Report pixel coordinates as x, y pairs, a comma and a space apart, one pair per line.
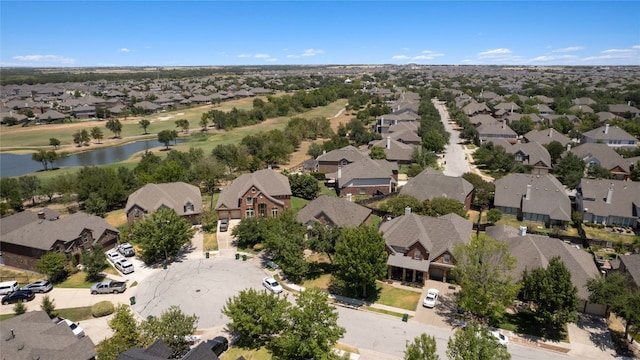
475, 342
397, 205
377, 153
96, 134
423, 347
161, 235
284, 237
555, 149
360, 258
172, 327
569, 170
54, 142
442, 206
52, 264
29, 186
204, 121
311, 331
494, 215
597, 171
11, 194
482, 269
208, 172
183, 124
166, 137
144, 124
126, 335
433, 141
614, 291
102, 183
323, 239
304, 186
553, 294
95, 261
115, 126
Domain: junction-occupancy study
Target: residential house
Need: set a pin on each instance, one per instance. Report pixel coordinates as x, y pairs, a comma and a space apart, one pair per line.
475, 108
509, 117
333, 211
630, 265
483, 119
537, 198
383, 122
581, 108
583, 101
33, 335
535, 251
431, 183
396, 151
546, 136
148, 107
405, 133
330, 161
160, 351
609, 202
27, 236
493, 131
624, 109
183, 198
51, 116
421, 247
366, 177
611, 135
84, 111
264, 193
532, 154
605, 156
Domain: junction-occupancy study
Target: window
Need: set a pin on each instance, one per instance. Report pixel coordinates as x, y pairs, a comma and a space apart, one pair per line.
416, 255
447, 258
274, 211
136, 213
249, 213
85, 237
250, 201
262, 209
188, 207
363, 191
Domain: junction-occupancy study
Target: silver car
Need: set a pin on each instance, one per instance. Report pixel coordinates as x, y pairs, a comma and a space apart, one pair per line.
41, 286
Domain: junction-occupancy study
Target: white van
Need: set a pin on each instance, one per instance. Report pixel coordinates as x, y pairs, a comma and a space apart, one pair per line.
7, 287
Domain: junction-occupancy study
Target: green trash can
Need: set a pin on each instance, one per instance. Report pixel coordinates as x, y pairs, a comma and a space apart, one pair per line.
206, 254
132, 300
237, 256
164, 266
405, 317
244, 257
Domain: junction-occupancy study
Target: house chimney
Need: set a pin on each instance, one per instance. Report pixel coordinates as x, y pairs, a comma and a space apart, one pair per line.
606, 128
339, 172
512, 108
522, 231
41, 215
609, 194
550, 132
407, 211
568, 147
527, 195
388, 142
349, 197
324, 152
629, 103
269, 166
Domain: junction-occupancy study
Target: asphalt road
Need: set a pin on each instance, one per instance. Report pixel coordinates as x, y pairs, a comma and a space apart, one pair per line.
455, 157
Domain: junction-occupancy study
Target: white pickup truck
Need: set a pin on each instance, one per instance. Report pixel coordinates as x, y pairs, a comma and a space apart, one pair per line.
108, 287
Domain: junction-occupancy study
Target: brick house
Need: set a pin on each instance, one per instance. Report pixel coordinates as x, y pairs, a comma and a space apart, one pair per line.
183, 198
366, 177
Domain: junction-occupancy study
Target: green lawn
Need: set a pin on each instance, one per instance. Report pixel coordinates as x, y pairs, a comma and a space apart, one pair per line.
400, 298
524, 323
298, 203
76, 281
73, 314
603, 234
249, 354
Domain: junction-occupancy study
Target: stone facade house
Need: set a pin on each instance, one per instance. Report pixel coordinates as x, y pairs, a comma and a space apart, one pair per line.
333, 211
183, 198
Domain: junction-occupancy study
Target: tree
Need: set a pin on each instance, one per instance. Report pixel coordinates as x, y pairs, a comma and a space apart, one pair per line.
360, 258
95, 261
54, 142
563, 125
52, 264
634, 175
597, 171
165, 137
442, 206
115, 126
19, 308
522, 126
397, 205
553, 294
555, 149
433, 141
161, 235
613, 290
101, 183
144, 124
41, 156
323, 239
475, 342
304, 186
247, 231
311, 329
494, 215
126, 335
49, 306
208, 171
9, 120
172, 327
256, 316
96, 134
482, 269
569, 170
183, 124
377, 153
315, 150
29, 186
284, 237
423, 347
96, 205
10, 193
204, 121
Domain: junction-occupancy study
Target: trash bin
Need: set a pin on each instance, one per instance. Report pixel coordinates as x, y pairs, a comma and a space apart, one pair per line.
164, 266
244, 257
206, 254
405, 317
132, 300
237, 256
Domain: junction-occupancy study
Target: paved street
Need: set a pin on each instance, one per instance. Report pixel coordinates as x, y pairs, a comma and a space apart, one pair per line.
455, 162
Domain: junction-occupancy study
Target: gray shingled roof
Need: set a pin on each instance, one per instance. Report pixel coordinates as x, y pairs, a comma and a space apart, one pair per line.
172, 195
269, 182
366, 169
538, 154
496, 129
546, 136
431, 183
348, 153
612, 133
37, 337
600, 154
339, 211
534, 251
437, 235
397, 151
42, 234
624, 197
632, 263
547, 195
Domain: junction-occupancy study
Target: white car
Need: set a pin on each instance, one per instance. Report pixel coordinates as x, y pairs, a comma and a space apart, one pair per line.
430, 299
114, 256
124, 266
75, 328
502, 339
272, 285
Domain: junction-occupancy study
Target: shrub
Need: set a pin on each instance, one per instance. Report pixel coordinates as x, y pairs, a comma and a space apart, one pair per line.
102, 308
19, 308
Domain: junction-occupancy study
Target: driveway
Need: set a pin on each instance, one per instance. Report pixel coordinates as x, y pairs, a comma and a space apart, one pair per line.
590, 339
443, 313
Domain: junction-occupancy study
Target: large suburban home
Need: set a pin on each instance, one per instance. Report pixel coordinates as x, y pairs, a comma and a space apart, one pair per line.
546, 136
366, 177
613, 136
532, 154
329, 162
432, 183
495, 131
475, 108
333, 211
384, 122
624, 109
535, 251
395, 150
421, 247
537, 198
27, 236
630, 265
185, 199
609, 202
603, 155
264, 193
33, 335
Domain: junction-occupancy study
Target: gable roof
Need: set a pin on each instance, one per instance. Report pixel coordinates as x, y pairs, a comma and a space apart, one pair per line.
339, 211
37, 337
538, 154
632, 264
396, 151
431, 183
625, 197
268, 181
546, 136
349, 153
602, 154
172, 195
608, 133
366, 169
547, 195
437, 235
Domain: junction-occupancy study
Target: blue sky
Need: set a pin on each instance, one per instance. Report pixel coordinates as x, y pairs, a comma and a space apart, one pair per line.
191, 33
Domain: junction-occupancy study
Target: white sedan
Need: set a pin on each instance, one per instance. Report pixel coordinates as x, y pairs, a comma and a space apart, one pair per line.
114, 256
272, 285
430, 299
502, 339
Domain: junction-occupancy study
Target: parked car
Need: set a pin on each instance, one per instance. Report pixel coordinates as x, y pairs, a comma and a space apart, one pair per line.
502, 339
126, 249
18, 296
41, 286
272, 285
7, 287
108, 287
113, 256
75, 327
430, 299
224, 225
124, 266
218, 345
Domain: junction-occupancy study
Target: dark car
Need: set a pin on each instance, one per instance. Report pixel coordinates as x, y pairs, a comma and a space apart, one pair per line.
218, 345
18, 296
224, 225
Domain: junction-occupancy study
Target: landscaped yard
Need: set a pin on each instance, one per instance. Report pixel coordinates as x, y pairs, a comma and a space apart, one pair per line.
608, 235
22, 277
76, 281
249, 354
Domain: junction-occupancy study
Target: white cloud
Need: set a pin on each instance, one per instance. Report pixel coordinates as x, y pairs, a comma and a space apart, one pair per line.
636, 47
495, 53
427, 55
568, 49
261, 56
617, 51
125, 50
400, 57
245, 55
312, 52
265, 57
52, 59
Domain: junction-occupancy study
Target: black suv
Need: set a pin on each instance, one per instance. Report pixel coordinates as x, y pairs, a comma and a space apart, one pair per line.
218, 345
